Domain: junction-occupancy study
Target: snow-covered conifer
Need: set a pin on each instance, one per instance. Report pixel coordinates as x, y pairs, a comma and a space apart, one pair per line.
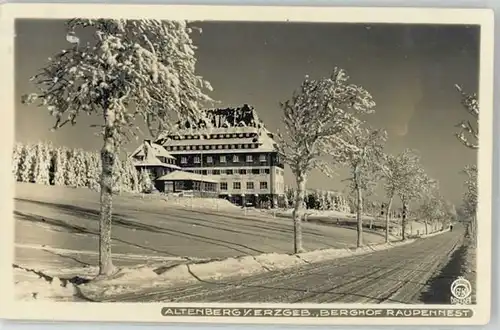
16, 159
70, 178
146, 184
41, 166
94, 171
26, 163
60, 163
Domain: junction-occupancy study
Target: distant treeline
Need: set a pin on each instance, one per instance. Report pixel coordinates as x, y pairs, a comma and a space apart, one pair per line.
43, 163
316, 199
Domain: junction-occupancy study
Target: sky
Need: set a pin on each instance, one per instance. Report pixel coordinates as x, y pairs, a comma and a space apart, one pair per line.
410, 70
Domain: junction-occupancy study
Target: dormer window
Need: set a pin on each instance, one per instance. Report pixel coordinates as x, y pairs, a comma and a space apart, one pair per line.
262, 158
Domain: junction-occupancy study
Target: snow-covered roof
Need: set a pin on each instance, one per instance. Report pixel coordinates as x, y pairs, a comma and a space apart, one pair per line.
185, 176
264, 142
154, 150
153, 162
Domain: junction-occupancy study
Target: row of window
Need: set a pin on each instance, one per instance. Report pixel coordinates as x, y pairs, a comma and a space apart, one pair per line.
223, 159
249, 185
214, 136
230, 171
213, 147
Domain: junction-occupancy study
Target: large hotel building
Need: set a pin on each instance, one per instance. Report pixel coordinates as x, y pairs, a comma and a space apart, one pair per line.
236, 159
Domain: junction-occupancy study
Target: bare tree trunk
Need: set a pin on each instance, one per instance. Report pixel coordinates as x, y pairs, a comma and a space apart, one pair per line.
426, 227
297, 214
108, 159
403, 221
387, 219
359, 215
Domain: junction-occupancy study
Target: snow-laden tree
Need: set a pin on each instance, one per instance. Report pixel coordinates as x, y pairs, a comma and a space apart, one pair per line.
26, 163
404, 177
60, 163
41, 166
468, 134
120, 177
315, 117
94, 171
80, 167
127, 70
145, 182
72, 171
132, 175
16, 159
432, 206
362, 152
470, 199
413, 185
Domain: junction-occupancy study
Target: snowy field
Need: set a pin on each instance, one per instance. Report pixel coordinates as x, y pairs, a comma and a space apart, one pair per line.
370, 224
57, 229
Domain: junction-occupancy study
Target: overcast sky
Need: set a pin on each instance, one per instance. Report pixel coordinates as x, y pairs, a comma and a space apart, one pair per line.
410, 71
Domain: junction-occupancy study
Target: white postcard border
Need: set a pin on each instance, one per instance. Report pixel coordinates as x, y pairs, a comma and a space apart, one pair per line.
150, 312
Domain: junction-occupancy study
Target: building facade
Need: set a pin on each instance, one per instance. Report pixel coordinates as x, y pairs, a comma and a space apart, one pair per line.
237, 151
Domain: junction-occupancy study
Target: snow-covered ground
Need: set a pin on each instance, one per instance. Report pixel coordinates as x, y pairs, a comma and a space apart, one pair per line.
336, 218
57, 228
61, 284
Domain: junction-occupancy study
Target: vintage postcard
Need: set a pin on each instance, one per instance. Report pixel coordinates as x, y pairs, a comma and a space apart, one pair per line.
246, 164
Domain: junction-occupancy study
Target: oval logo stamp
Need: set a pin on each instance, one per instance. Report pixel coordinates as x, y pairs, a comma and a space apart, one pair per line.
461, 290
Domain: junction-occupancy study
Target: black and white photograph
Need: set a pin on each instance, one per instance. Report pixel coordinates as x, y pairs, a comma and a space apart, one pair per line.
251, 162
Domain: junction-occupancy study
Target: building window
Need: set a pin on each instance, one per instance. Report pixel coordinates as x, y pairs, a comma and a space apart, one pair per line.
236, 158
255, 171
222, 159
249, 146
236, 185
229, 172
263, 185
262, 158
249, 158
204, 172
210, 159
216, 172
250, 185
264, 171
196, 159
184, 160
243, 171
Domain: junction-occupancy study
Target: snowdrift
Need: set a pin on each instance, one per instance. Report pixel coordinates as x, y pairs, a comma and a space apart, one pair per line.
141, 278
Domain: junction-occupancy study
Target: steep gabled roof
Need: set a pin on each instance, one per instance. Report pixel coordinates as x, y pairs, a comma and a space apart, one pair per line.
153, 150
